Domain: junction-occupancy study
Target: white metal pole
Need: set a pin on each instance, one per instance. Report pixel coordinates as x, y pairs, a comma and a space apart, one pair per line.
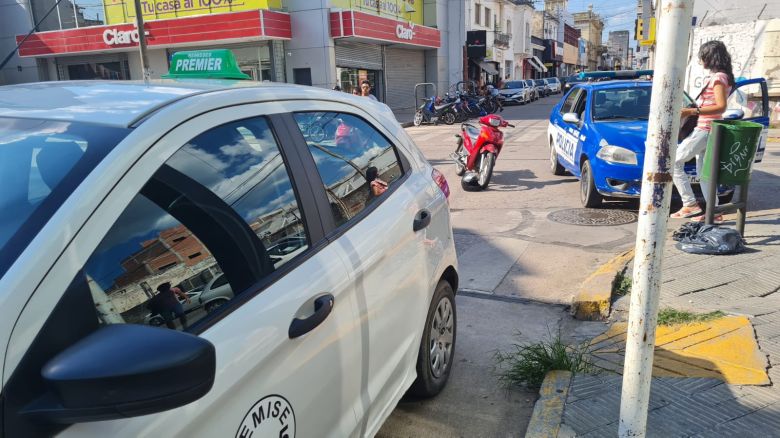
664, 123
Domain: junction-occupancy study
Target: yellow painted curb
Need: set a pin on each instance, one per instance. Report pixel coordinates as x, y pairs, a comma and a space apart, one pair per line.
593, 300
548, 410
724, 349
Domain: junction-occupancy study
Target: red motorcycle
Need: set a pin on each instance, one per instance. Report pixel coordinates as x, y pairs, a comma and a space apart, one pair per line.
478, 148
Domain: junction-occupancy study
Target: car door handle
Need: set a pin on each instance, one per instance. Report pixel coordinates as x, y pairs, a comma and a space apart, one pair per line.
322, 308
421, 220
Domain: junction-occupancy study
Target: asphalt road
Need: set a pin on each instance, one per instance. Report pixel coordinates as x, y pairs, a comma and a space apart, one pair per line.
518, 270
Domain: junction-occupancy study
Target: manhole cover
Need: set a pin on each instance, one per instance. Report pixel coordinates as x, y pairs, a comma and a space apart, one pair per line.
592, 216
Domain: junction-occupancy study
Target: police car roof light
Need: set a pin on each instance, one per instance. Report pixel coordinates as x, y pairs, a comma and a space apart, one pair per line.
620, 74
204, 64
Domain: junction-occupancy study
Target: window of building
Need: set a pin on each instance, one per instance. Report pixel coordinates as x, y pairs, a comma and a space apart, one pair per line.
477, 13
508, 26
68, 14
356, 163
487, 17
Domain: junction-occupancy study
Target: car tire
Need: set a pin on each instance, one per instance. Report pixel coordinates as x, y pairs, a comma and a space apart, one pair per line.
214, 305
555, 166
157, 321
589, 196
437, 347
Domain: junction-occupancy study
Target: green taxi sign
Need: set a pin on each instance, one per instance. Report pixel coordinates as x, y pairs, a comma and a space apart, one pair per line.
204, 64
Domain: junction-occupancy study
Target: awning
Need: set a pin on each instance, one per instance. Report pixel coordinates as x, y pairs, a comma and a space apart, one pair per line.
540, 64
487, 66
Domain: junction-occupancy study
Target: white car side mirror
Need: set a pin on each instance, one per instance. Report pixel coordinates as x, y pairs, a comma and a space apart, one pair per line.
571, 118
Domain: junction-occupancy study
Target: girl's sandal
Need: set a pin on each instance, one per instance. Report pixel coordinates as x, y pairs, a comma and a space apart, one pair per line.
687, 212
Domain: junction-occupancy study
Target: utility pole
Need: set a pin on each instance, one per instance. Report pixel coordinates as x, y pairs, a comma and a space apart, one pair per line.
674, 26
139, 23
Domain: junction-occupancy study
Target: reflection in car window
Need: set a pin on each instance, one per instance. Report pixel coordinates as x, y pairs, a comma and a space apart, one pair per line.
356, 163
571, 100
749, 99
41, 163
151, 268
243, 165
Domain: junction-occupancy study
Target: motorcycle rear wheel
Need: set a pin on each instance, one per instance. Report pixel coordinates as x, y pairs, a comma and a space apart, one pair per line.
448, 117
460, 168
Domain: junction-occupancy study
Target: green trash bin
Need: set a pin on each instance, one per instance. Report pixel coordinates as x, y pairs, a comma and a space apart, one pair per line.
738, 141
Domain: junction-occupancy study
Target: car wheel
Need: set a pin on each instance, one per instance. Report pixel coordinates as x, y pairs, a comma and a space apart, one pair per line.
437, 347
589, 197
157, 321
214, 305
555, 166
418, 118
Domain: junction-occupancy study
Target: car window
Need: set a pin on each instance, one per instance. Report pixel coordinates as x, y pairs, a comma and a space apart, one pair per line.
749, 99
621, 103
41, 163
356, 163
202, 222
570, 101
579, 107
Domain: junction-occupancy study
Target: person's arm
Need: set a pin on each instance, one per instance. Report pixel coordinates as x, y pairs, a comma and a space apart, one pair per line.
181, 294
719, 92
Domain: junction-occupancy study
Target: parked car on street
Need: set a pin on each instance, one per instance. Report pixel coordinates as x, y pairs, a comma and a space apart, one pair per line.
597, 133
516, 92
533, 91
571, 81
554, 85
194, 304
541, 88
118, 187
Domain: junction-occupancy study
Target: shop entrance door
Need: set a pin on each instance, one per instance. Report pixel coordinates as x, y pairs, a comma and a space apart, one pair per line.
249, 70
98, 70
350, 79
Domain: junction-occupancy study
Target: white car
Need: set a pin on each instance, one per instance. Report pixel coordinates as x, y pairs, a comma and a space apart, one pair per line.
554, 85
516, 92
114, 188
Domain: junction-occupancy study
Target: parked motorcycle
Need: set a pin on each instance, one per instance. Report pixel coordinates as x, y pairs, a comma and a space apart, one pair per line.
430, 112
477, 150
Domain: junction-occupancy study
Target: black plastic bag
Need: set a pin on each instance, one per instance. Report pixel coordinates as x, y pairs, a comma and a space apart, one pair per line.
696, 238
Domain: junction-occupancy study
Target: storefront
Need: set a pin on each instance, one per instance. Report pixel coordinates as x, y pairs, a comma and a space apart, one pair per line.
111, 51
389, 53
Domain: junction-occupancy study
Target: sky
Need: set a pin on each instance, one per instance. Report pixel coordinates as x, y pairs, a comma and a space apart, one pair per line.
616, 14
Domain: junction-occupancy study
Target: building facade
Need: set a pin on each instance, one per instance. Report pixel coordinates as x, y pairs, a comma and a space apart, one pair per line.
591, 27
617, 50
394, 44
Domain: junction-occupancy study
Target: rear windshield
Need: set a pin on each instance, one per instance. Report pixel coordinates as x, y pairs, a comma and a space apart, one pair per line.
513, 84
41, 163
539, 82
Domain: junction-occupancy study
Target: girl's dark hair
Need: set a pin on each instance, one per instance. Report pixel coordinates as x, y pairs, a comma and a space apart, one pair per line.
716, 58
372, 173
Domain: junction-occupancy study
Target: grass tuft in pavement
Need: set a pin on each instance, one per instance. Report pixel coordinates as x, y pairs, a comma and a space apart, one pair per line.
676, 317
621, 286
528, 363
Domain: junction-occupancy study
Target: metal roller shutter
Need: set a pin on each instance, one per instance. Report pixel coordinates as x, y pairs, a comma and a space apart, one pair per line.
404, 69
358, 55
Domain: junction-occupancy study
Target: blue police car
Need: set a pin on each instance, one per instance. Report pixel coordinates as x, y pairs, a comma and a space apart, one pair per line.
598, 130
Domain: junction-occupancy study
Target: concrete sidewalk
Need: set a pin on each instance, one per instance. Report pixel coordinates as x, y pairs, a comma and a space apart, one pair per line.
746, 284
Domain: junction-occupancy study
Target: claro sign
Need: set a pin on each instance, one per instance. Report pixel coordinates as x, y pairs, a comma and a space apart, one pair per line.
114, 37
405, 33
